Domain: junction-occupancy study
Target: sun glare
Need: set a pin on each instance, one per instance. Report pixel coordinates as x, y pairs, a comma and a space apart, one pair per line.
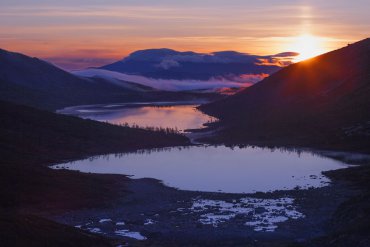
307, 46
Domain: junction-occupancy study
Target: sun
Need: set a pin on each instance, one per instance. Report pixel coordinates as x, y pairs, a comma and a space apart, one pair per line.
307, 46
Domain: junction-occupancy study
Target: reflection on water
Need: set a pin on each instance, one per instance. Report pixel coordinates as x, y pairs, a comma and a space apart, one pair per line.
206, 168
163, 114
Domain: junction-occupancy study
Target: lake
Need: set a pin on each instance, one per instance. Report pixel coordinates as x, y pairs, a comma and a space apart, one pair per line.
180, 115
213, 169
201, 168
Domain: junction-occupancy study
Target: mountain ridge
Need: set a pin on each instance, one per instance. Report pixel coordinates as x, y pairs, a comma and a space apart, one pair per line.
32, 81
167, 63
323, 96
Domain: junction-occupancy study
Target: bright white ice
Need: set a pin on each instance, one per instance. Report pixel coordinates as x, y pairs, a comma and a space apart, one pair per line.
264, 214
127, 233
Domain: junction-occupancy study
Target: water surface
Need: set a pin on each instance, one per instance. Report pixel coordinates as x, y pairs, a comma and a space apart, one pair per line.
213, 169
176, 115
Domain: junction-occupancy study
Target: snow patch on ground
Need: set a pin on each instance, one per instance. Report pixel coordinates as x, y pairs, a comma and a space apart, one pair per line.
127, 233
105, 220
94, 230
149, 222
260, 214
112, 229
215, 219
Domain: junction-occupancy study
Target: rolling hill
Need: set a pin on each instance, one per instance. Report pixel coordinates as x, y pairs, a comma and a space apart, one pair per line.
34, 82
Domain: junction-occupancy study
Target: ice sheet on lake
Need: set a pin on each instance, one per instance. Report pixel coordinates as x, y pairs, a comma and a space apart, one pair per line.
260, 214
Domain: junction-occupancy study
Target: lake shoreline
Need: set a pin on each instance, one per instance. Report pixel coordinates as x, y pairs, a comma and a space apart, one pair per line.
208, 168
150, 199
224, 134
212, 134
176, 115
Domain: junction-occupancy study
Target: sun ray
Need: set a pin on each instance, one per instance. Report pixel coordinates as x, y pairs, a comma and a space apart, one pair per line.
307, 46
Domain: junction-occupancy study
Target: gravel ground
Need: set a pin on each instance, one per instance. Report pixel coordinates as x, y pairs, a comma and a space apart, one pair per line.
153, 213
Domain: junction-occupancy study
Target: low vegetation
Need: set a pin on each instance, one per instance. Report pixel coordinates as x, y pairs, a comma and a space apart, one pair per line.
30, 140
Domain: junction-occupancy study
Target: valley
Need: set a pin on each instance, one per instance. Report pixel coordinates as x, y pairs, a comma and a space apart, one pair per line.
105, 162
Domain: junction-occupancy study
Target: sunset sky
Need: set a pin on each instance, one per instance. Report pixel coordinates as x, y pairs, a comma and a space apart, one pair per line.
79, 33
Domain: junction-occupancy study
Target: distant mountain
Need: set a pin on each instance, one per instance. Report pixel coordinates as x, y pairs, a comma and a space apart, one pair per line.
325, 100
34, 82
171, 64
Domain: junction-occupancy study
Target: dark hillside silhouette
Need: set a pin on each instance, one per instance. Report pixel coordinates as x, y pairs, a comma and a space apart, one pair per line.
323, 100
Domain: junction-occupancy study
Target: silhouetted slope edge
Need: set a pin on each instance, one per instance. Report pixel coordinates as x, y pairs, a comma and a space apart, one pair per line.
33, 133
323, 100
31, 139
32, 231
34, 82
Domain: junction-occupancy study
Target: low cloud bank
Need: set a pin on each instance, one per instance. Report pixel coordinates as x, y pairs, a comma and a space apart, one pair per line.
213, 84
